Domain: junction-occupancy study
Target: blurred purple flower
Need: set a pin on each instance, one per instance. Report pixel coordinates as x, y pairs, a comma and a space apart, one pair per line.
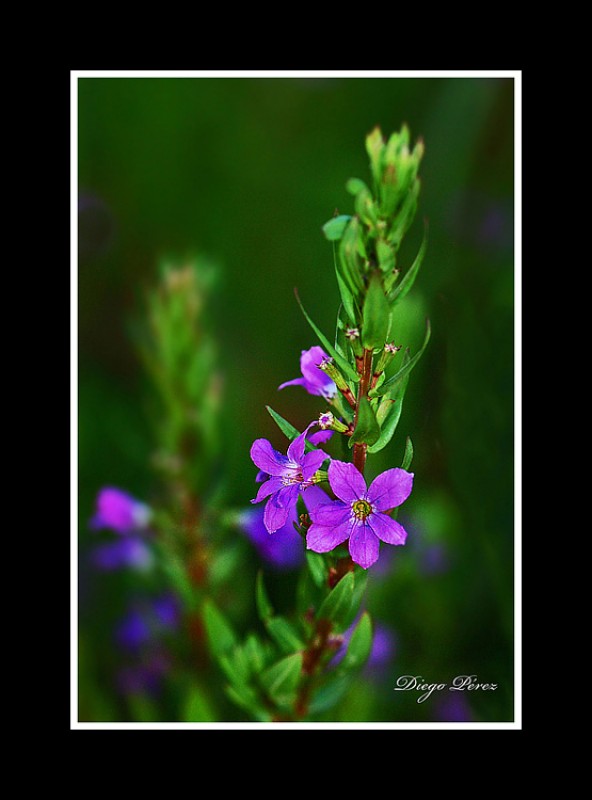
453, 707
119, 511
146, 676
360, 513
289, 475
130, 551
314, 380
147, 621
134, 630
284, 549
167, 610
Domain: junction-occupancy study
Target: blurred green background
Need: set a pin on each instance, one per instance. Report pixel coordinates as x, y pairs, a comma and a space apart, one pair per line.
245, 172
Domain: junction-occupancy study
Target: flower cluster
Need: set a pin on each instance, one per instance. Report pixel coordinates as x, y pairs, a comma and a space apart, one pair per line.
358, 514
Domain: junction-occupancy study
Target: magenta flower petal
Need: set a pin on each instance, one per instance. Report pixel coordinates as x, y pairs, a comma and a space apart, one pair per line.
312, 462
279, 506
363, 545
295, 382
320, 437
268, 459
296, 448
314, 380
119, 511
267, 488
314, 496
322, 539
387, 529
346, 481
331, 514
390, 489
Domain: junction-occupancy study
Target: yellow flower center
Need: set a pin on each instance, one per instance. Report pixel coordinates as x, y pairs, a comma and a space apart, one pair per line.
361, 509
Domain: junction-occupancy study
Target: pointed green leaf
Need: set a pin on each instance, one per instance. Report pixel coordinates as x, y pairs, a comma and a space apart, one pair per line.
281, 679
330, 693
333, 229
197, 706
284, 634
350, 254
347, 297
341, 362
408, 455
255, 652
405, 215
386, 256
245, 698
288, 429
377, 314
338, 602
264, 607
367, 430
360, 645
392, 385
360, 583
316, 565
389, 426
221, 637
409, 278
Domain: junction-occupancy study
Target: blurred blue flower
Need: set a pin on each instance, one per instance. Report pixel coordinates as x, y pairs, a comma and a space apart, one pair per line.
119, 511
130, 551
147, 621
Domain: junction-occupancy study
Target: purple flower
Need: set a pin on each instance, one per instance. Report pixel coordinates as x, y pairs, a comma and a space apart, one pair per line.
167, 611
314, 380
360, 514
134, 630
147, 621
130, 551
119, 511
289, 475
284, 549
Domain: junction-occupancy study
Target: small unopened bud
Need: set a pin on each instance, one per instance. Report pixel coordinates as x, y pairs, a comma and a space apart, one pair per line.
328, 422
352, 333
329, 368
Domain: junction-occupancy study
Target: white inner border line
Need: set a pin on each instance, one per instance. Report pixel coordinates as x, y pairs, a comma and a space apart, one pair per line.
517, 77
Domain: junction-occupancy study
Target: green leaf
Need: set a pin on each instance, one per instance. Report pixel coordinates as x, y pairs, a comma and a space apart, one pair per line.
264, 607
391, 386
360, 645
367, 430
377, 314
338, 602
408, 455
316, 565
284, 634
333, 229
374, 148
221, 637
245, 697
281, 679
354, 186
349, 256
386, 256
330, 693
288, 429
409, 278
405, 215
344, 365
347, 297
389, 426
197, 706
255, 652
360, 583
